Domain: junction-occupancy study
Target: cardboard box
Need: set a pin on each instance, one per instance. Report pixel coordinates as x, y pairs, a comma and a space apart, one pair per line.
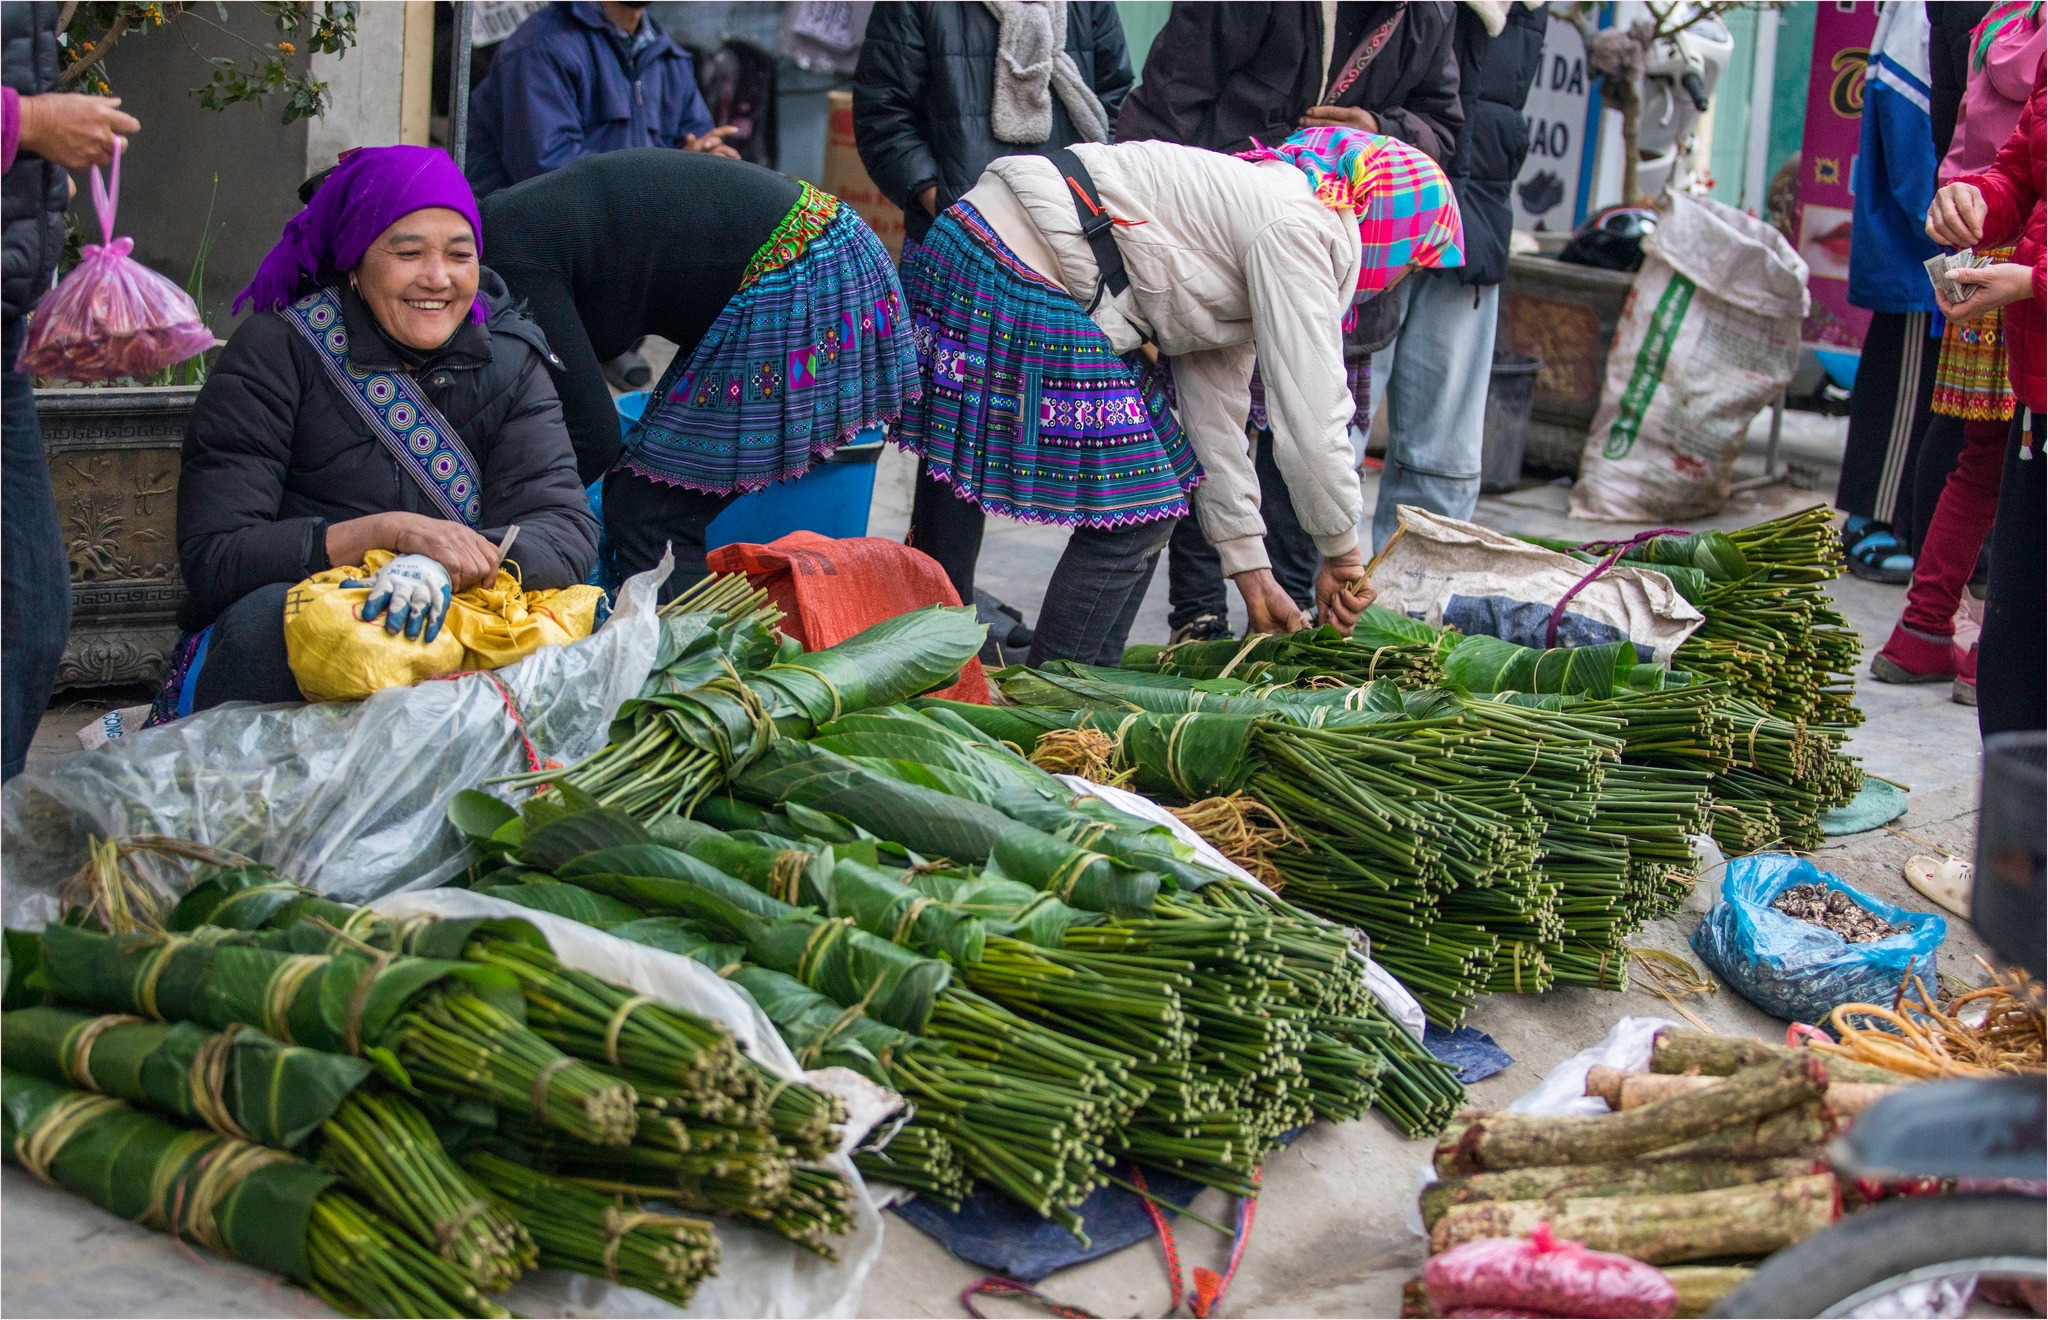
847, 179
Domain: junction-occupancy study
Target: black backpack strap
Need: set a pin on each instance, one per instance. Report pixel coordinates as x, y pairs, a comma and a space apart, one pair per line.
1097, 225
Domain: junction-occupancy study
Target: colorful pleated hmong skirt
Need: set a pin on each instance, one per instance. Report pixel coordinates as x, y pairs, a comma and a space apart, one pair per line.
1970, 379
1027, 410
812, 350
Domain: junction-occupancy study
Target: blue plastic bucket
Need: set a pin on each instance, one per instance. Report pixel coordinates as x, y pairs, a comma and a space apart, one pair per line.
832, 499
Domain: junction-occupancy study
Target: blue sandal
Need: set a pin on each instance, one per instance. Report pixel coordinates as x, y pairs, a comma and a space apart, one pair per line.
1875, 555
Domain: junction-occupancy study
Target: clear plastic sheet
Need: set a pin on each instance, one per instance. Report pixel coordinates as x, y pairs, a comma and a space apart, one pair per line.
349, 798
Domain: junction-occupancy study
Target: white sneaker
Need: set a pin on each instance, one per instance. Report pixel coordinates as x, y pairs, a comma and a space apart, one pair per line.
1946, 880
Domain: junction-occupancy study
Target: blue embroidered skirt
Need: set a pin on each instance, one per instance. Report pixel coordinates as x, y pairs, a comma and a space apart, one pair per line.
811, 351
1027, 411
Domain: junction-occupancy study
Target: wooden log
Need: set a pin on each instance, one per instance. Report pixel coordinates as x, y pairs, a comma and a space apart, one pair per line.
1800, 1133
1639, 1089
1516, 1141
1660, 1230
1606, 1083
1677, 1051
1700, 1286
1580, 1180
1845, 1099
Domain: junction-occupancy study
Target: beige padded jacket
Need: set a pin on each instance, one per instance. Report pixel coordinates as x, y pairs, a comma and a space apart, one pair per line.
1229, 262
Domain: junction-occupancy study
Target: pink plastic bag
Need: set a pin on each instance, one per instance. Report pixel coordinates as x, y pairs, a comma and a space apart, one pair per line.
111, 317
1541, 1275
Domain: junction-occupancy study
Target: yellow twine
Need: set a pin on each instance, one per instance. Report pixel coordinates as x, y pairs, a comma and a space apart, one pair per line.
206, 1084
617, 1224
152, 971
359, 1003
912, 910
537, 1098
156, 1211
814, 947
219, 1172
785, 875
75, 1053
1242, 652
618, 1024
284, 986
37, 1147
837, 705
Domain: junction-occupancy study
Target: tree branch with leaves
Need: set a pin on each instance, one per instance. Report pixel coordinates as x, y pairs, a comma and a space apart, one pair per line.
88, 32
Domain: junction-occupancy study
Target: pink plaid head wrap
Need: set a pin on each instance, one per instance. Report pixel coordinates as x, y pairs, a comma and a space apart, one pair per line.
1406, 211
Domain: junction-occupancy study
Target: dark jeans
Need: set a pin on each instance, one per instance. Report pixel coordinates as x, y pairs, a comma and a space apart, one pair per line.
1095, 592
35, 576
1194, 573
1888, 411
245, 657
643, 517
2011, 669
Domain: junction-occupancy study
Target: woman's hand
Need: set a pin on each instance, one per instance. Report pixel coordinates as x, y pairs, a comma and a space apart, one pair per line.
1991, 287
469, 558
1957, 216
1343, 591
1340, 116
1270, 609
74, 131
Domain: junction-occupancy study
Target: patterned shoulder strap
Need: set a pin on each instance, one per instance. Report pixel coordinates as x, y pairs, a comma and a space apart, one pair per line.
423, 441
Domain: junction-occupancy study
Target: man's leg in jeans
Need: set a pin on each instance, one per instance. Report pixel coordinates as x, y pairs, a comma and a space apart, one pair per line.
1087, 613
1194, 578
35, 577
643, 517
1437, 374
2011, 671
947, 528
1292, 550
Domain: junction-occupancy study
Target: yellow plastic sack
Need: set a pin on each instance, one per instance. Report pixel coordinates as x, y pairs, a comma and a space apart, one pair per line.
335, 656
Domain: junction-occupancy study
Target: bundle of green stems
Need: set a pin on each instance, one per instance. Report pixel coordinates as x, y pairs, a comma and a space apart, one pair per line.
464, 1045
364, 1265
383, 1145
584, 1231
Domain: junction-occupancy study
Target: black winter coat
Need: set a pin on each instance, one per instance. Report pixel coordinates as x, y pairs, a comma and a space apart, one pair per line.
1948, 55
274, 453
923, 89
1494, 77
34, 193
1221, 74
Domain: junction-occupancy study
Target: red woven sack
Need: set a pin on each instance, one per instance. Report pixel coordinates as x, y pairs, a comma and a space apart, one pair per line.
828, 589
1541, 1275
111, 316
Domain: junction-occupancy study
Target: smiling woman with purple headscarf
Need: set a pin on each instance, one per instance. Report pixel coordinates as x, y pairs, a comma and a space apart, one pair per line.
386, 395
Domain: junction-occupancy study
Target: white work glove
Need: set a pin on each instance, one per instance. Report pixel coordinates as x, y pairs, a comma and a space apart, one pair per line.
411, 592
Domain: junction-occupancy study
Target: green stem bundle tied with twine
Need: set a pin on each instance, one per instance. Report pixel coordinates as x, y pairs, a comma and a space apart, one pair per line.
257, 1205
577, 1229
446, 1026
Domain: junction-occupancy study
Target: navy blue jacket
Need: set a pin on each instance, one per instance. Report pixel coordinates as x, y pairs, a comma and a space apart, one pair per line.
566, 85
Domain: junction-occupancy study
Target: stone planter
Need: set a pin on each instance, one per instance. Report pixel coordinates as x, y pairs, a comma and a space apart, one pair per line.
114, 464
1563, 316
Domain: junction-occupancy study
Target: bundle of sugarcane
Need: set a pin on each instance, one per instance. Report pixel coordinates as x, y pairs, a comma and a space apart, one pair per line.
260, 1206
1712, 1171
586, 1232
1375, 649
242, 1084
453, 1027
671, 749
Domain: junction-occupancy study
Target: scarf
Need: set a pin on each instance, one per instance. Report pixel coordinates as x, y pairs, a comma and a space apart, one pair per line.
1406, 212
1032, 63
367, 191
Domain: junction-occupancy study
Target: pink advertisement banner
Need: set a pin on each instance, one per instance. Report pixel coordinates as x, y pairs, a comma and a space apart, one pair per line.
1834, 117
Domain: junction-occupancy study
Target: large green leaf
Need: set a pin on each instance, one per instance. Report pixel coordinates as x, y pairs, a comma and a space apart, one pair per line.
1488, 664
564, 900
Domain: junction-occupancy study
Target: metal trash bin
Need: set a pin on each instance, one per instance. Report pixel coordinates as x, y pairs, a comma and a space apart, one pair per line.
1510, 396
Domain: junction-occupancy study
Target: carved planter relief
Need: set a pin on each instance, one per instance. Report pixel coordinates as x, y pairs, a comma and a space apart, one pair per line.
114, 464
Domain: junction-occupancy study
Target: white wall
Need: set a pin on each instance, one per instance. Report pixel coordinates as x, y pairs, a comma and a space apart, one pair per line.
366, 84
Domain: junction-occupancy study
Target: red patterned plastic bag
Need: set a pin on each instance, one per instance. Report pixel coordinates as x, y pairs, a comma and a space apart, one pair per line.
1541, 1275
112, 316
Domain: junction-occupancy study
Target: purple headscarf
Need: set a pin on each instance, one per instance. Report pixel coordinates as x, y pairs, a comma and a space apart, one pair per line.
368, 189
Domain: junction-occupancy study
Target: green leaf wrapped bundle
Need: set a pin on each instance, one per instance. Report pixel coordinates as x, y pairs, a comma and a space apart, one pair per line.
562, 900
1007, 907
257, 1205
851, 966
239, 1082
580, 1230
450, 1026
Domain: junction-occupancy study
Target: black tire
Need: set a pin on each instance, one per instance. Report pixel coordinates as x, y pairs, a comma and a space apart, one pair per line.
1884, 1241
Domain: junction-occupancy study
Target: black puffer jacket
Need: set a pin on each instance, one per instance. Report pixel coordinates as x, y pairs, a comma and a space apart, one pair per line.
34, 193
1494, 77
274, 452
922, 93
1221, 74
